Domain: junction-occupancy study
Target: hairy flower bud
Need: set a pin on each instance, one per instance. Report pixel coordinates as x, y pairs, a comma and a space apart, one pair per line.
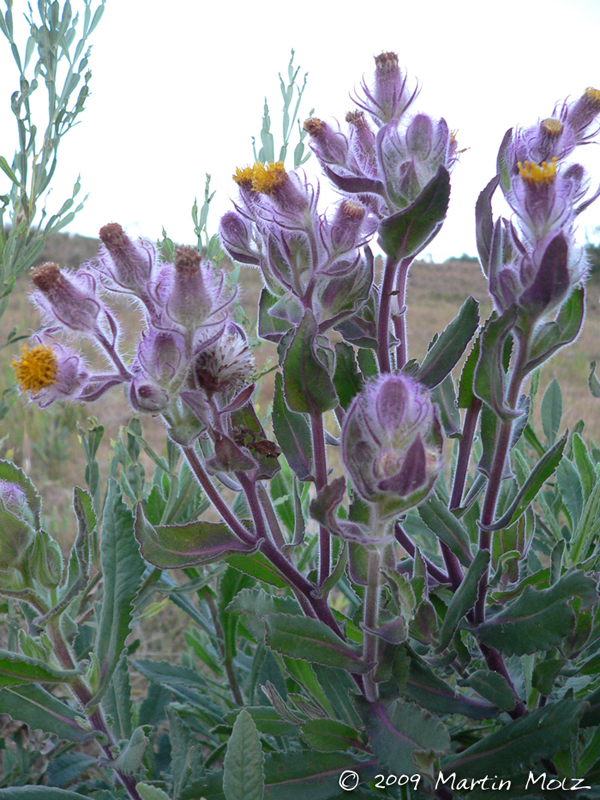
70, 301
45, 563
392, 443
147, 397
195, 292
330, 146
389, 98
130, 264
235, 237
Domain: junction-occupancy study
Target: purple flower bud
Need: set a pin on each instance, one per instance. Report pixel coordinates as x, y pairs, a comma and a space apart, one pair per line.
419, 137
195, 294
129, 264
363, 144
14, 500
329, 146
392, 443
147, 397
582, 113
69, 300
235, 238
16, 526
346, 226
389, 98
160, 354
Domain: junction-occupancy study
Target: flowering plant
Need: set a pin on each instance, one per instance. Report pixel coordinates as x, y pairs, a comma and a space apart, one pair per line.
362, 616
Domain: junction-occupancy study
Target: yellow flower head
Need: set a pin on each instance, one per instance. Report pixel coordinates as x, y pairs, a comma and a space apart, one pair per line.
243, 176
36, 368
267, 177
536, 174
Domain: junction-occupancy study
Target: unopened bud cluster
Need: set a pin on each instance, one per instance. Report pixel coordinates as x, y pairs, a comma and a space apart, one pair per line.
392, 444
187, 315
535, 263
385, 158
308, 261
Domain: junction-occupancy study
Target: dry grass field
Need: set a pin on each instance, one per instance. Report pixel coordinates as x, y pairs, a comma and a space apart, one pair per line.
45, 442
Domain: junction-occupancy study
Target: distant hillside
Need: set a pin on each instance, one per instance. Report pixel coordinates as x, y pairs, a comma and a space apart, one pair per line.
68, 250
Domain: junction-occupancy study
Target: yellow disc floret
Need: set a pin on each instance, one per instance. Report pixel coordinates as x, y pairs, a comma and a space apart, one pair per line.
267, 177
36, 368
243, 176
536, 174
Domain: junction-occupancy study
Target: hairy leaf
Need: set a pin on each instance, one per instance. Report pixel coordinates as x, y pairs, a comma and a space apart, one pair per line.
37, 708
307, 384
293, 434
447, 349
177, 546
122, 567
311, 640
243, 767
539, 618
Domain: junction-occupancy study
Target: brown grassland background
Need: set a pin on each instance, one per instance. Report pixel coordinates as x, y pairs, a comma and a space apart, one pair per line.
45, 442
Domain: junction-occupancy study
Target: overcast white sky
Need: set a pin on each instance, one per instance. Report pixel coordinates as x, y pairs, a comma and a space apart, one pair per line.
178, 88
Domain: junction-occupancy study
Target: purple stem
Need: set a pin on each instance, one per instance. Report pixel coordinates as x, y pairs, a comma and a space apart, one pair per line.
320, 456
403, 539
383, 323
400, 318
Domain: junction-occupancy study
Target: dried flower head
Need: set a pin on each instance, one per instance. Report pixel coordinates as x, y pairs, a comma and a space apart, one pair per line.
226, 363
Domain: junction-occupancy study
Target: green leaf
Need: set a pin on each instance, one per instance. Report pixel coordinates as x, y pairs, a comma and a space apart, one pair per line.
328, 735
408, 231
447, 349
307, 384
37, 708
256, 604
587, 527
269, 327
347, 379
467, 376
551, 410
539, 618
294, 776
186, 756
585, 465
399, 731
593, 381
550, 336
16, 668
257, 565
425, 688
186, 684
311, 640
293, 434
520, 743
484, 225
444, 396
122, 567
490, 370
493, 686
447, 528
177, 546
463, 598
243, 767
129, 760
538, 476
147, 792
569, 486
40, 793
266, 719
117, 701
